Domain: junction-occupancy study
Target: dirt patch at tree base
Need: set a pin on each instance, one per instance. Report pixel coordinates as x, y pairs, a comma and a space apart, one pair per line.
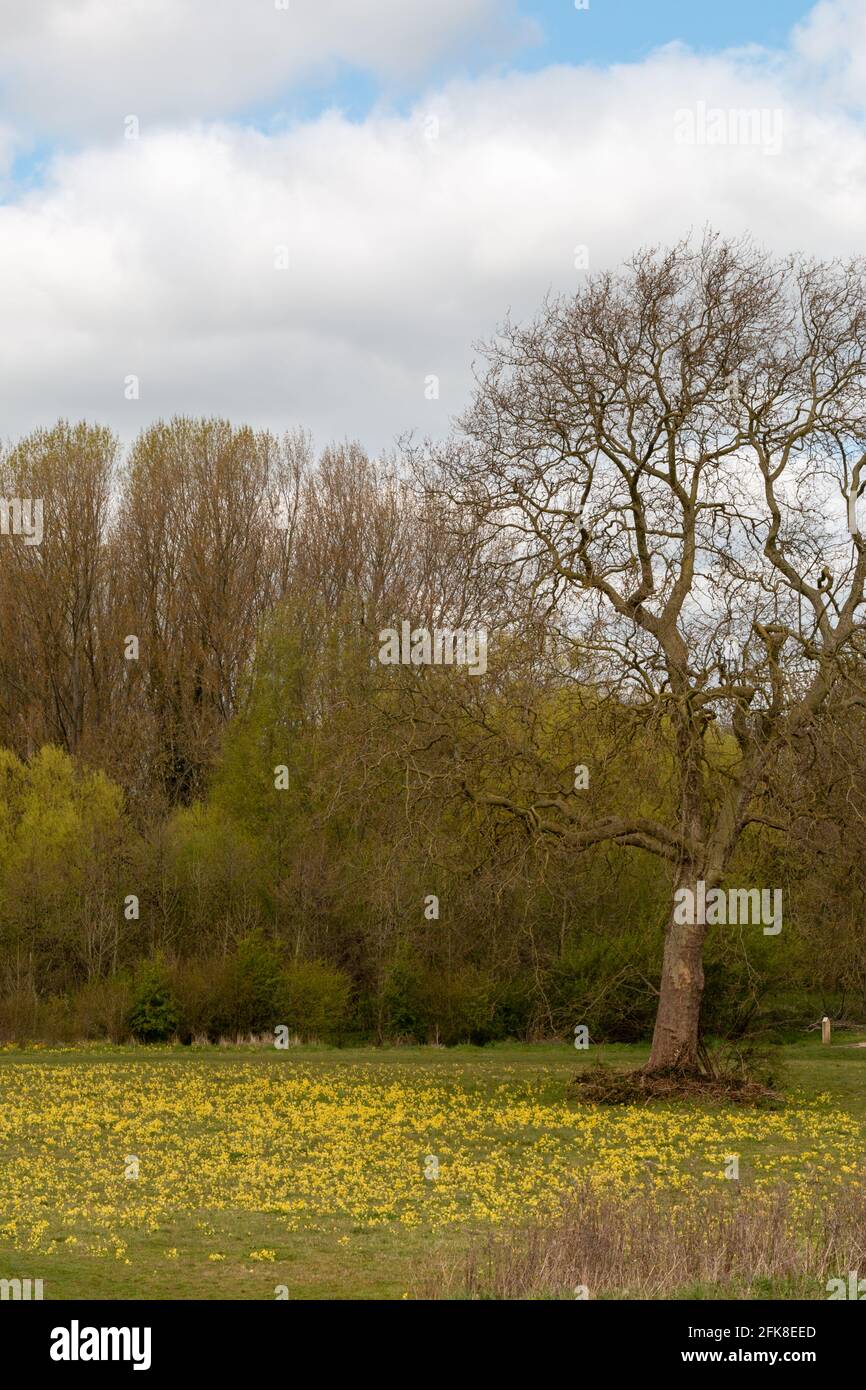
605, 1085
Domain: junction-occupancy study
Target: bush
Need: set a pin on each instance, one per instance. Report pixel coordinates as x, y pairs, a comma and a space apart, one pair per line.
316, 1000
203, 992
462, 1006
450, 1007
154, 1015
515, 1006
602, 982
252, 992
101, 1009
403, 1012
255, 987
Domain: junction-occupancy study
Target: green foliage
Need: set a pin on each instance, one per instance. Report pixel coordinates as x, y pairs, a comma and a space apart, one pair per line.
602, 982
316, 1000
203, 986
430, 1004
64, 841
154, 1014
253, 1002
305, 907
215, 876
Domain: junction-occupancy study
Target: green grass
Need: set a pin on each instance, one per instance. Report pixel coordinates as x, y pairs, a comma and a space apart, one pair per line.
332, 1258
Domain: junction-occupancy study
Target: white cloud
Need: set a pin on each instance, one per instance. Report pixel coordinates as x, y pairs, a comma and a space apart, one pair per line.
832, 42
156, 257
73, 65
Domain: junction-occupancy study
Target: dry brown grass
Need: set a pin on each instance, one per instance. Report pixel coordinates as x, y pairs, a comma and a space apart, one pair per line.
646, 1247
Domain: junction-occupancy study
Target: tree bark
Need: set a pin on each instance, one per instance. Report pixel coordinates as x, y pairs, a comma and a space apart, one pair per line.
675, 1037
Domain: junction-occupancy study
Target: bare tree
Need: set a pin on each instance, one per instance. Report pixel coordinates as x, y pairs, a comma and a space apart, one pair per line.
54, 681
676, 453
207, 517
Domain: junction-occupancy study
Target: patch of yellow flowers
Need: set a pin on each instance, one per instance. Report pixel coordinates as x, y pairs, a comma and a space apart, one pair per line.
312, 1146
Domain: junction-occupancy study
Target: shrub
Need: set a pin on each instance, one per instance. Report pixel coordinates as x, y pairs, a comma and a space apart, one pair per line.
515, 1006
255, 986
154, 1015
450, 1007
602, 982
404, 1011
316, 999
461, 1006
203, 992
101, 1009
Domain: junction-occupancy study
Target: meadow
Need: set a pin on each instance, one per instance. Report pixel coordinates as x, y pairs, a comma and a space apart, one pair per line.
245, 1173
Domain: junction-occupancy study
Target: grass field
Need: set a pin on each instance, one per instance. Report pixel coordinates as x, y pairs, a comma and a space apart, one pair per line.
305, 1169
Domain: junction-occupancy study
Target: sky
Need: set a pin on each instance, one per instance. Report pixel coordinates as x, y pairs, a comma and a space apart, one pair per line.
309, 213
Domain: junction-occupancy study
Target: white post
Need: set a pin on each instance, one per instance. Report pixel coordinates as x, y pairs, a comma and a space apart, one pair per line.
825, 1029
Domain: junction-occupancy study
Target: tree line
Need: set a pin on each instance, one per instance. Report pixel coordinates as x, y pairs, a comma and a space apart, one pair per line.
221, 810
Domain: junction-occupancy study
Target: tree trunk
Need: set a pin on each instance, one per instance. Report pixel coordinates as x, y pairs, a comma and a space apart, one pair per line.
675, 1037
